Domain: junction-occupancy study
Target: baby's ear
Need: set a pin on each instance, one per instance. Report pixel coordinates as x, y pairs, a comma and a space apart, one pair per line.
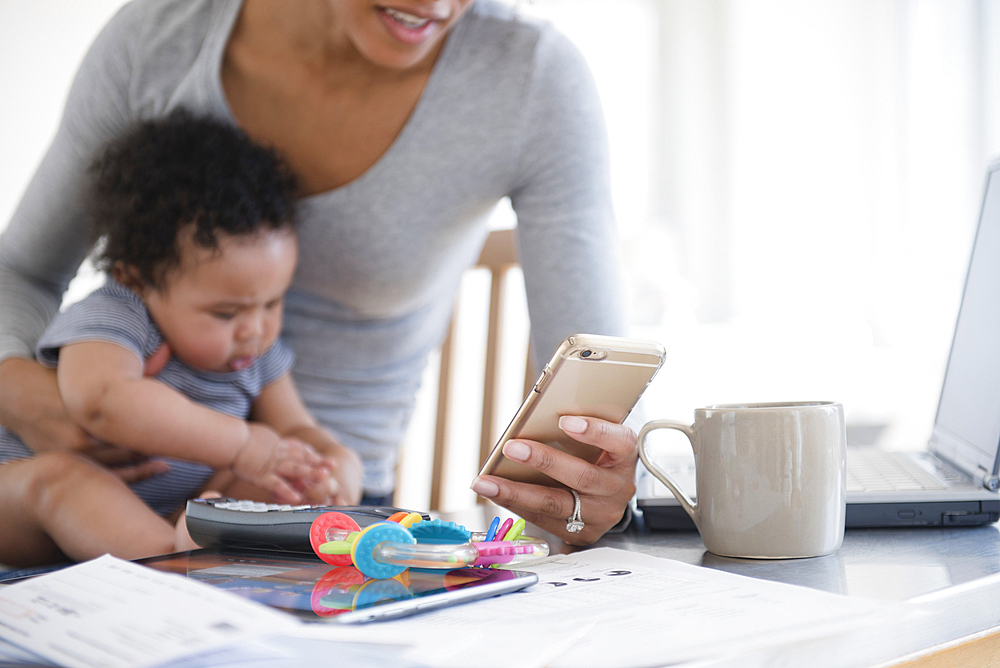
128, 276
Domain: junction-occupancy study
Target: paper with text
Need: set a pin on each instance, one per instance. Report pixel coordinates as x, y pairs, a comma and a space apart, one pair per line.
116, 614
608, 608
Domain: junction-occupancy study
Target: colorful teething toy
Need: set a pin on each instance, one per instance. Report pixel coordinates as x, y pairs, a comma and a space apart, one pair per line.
345, 588
386, 549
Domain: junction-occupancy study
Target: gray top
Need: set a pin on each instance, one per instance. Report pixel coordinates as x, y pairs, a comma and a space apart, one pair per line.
509, 110
115, 314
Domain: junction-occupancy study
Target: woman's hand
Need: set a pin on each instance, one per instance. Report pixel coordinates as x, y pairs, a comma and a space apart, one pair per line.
605, 487
127, 465
32, 408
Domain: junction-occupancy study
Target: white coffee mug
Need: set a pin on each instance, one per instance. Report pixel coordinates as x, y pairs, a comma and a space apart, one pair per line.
770, 478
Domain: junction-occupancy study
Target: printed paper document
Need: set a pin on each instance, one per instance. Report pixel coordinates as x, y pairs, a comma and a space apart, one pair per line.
609, 608
109, 612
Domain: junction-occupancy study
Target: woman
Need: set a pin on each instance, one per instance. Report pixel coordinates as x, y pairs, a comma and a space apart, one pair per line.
406, 122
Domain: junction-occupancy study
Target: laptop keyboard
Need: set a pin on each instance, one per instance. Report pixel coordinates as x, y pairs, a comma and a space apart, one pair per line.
879, 471
868, 470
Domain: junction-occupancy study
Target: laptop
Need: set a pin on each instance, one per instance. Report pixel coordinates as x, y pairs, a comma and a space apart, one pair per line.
953, 482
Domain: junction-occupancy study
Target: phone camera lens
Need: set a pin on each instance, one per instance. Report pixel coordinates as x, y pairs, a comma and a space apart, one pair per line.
586, 353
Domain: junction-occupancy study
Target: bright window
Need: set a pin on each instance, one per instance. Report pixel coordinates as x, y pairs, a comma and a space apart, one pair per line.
797, 186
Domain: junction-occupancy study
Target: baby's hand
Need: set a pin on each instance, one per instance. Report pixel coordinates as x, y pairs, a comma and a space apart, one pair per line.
341, 484
282, 466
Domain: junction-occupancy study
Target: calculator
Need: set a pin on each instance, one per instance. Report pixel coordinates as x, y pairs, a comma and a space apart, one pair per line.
239, 523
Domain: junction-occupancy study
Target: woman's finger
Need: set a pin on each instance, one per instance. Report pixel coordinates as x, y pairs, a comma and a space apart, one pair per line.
604, 488
575, 473
618, 441
113, 456
550, 508
141, 471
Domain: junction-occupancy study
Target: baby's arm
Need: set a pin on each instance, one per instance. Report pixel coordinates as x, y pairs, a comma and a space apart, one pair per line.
105, 392
280, 406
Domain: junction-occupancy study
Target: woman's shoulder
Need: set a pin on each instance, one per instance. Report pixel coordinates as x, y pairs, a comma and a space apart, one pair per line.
503, 34
173, 17
151, 24
161, 40
505, 18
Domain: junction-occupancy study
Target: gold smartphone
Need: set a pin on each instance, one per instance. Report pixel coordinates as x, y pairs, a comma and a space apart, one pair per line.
589, 375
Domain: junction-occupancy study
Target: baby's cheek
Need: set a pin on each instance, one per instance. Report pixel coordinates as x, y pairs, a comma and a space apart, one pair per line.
210, 353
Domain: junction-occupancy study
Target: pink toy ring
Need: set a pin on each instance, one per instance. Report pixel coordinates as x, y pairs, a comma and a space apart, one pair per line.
318, 535
334, 592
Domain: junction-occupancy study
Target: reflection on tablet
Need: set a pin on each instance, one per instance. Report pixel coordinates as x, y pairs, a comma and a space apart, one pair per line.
315, 591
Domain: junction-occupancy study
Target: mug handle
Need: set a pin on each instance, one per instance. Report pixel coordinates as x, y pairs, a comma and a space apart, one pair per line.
690, 506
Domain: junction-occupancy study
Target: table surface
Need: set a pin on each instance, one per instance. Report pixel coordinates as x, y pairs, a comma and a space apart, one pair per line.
952, 574
890, 564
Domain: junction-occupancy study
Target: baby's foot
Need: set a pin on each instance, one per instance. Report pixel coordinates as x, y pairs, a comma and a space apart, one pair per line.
182, 539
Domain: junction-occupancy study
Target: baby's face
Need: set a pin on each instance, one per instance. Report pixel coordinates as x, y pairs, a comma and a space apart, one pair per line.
222, 309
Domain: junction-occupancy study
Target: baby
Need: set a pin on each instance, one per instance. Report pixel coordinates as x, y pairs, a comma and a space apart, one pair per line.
198, 239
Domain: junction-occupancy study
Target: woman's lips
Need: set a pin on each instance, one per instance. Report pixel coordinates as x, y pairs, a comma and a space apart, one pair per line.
406, 27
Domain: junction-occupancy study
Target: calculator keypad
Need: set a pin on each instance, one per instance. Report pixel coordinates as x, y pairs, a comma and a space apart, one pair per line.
243, 505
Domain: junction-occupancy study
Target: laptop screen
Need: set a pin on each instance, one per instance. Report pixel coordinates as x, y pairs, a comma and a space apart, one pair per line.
969, 409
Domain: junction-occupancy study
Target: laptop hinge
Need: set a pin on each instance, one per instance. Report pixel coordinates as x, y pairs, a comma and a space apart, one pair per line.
987, 479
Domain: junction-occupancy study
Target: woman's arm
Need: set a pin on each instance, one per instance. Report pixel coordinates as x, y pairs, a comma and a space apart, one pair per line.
566, 229
31, 407
105, 392
280, 406
569, 253
48, 237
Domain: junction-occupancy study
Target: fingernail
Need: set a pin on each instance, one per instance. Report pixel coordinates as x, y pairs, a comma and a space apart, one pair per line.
516, 450
484, 487
572, 424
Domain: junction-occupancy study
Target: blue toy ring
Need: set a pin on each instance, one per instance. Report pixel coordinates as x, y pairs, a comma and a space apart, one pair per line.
364, 548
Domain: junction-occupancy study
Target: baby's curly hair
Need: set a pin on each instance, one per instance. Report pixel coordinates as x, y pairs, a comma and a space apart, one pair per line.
184, 170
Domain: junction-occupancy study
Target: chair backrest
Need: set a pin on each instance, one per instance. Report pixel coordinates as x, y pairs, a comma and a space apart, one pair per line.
499, 256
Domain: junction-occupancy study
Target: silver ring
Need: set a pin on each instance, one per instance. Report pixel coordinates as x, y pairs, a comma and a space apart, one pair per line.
575, 523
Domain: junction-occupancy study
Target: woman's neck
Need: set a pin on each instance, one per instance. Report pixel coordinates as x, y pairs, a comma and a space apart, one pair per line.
312, 37
293, 82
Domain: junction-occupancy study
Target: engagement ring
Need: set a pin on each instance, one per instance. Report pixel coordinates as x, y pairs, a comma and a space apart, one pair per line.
575, 523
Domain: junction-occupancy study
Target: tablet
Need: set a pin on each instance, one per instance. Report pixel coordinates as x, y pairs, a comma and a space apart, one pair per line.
314, 591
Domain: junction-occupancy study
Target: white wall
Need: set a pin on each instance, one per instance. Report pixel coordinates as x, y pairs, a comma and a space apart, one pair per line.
797, 185
41, 45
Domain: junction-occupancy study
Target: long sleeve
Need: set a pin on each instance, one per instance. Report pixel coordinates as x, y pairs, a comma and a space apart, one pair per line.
566, 228
48, 236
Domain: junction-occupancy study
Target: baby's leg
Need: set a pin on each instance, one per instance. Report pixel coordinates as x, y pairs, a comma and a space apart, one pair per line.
222, 484
59, 503
182, 539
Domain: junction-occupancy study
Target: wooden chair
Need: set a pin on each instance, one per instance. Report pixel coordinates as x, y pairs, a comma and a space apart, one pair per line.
499, 256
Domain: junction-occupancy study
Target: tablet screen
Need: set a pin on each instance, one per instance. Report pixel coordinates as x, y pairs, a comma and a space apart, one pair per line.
313, 590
